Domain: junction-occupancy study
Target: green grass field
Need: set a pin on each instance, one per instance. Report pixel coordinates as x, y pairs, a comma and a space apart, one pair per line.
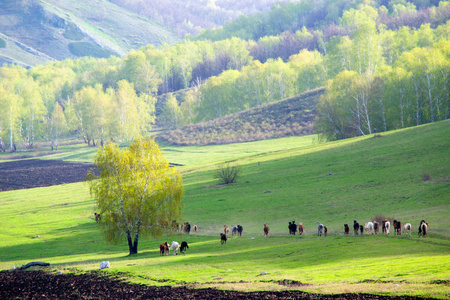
287, 179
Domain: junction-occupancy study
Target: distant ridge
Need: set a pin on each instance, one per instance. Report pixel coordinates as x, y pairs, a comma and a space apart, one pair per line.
49, 30
288, 117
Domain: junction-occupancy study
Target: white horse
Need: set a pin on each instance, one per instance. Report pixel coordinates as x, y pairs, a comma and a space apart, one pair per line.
407, 228
175, 247
369, 227
319, 228
388, 226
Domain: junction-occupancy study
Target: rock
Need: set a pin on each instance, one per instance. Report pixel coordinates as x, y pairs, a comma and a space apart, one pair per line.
104, 265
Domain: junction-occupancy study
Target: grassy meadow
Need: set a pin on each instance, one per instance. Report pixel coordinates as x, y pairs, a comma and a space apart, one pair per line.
296, 178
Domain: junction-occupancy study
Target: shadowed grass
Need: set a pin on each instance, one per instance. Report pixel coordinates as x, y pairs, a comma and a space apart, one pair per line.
333, 183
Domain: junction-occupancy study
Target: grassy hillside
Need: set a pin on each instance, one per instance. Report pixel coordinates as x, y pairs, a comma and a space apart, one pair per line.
15, 52
285, 179
67, 29
288, 117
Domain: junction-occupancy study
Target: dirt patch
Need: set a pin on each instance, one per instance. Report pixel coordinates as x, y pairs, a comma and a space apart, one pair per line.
440, 281
290, 283
41, 285
25, 174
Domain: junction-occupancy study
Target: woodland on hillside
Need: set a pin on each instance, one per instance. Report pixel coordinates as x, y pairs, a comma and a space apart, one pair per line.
191, 16
324, 16
376, 76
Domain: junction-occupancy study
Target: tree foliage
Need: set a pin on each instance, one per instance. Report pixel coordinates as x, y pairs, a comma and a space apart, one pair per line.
398, 50
412, 92
136, 191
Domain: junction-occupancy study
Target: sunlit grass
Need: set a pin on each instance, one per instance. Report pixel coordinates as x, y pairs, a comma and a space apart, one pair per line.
292, 182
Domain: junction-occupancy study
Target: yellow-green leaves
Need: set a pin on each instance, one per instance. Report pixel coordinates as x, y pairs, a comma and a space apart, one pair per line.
136, 191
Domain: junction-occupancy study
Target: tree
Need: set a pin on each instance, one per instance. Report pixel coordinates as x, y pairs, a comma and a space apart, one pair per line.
134, 114
10, 103
57, 125
189, 107
84, 108
136, 191
148, 79
132, 62
171, 113
33, 110
332, 121
9, 116
309, 68
346, 108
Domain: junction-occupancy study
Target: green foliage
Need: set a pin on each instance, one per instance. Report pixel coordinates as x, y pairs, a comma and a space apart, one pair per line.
57, 125
228, 173
135, 113
171, 115
12, 82
89, 49
112, 99
136, 191
413, 92
323, 16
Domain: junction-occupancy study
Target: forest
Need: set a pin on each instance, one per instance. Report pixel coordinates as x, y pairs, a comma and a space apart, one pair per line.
384, 65
191, 16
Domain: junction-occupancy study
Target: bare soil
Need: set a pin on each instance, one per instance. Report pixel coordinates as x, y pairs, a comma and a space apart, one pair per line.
31, 173
41, 285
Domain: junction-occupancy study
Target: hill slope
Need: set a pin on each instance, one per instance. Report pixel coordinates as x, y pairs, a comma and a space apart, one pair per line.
335, 183
56, 30
287, 117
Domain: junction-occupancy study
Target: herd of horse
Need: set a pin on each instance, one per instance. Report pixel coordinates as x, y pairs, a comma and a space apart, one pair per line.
371, 227
368, 227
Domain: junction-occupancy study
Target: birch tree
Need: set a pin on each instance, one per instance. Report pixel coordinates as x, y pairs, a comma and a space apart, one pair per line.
136, 192
32, 112
57, 125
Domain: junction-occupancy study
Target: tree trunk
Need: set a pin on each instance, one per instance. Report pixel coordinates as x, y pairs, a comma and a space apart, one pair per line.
11, 131
136, 241
131, 247
430, 97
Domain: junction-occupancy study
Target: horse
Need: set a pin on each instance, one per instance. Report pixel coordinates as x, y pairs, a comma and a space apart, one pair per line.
319, 228
266, 230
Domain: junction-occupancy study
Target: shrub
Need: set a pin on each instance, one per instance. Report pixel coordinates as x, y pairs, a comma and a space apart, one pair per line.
380, 218
73, 33
88, 49
426, 177
228, 173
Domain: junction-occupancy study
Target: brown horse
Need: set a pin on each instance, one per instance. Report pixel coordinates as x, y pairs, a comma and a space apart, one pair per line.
164, 249
301, 228
266, 230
